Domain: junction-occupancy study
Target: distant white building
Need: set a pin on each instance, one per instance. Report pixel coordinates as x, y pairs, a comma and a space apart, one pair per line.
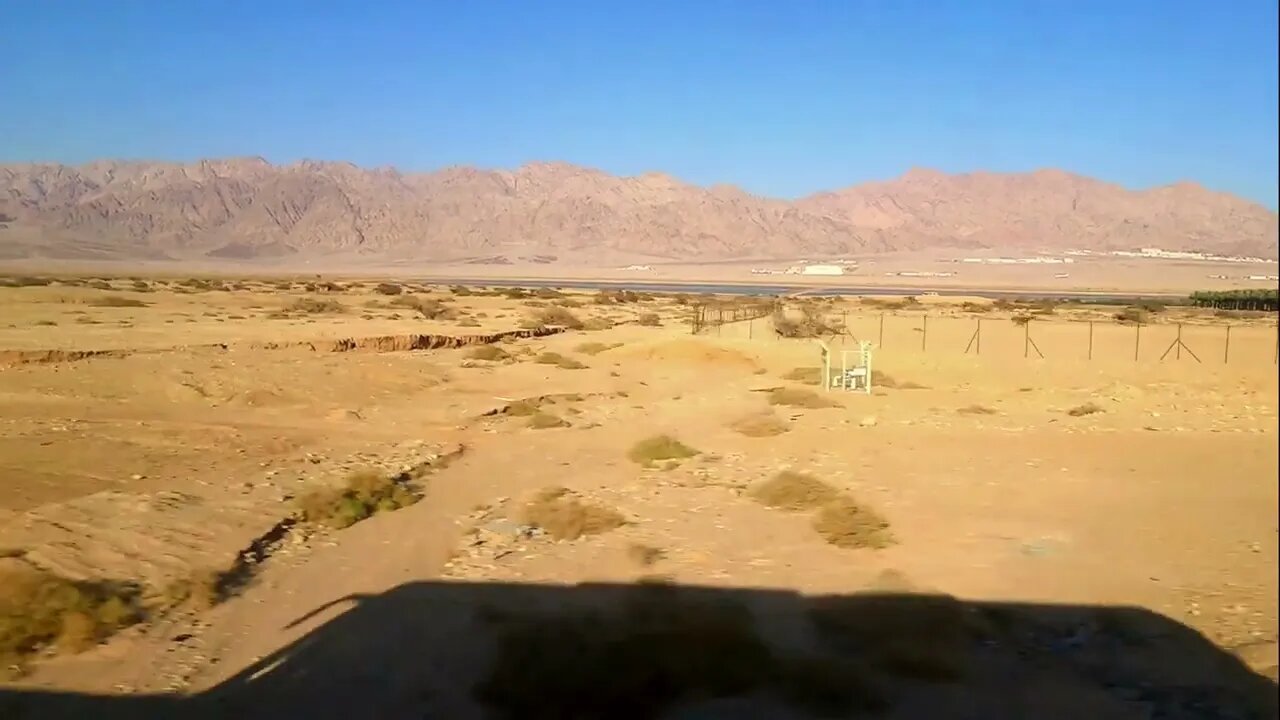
822, 270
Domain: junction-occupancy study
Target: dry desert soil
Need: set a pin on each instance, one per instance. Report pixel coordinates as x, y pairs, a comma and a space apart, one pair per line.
250, 498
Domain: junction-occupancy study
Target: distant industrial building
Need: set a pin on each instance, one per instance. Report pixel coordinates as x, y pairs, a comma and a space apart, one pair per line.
822, 270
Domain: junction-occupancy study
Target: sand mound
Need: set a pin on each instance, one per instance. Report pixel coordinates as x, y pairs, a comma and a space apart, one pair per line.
690, 352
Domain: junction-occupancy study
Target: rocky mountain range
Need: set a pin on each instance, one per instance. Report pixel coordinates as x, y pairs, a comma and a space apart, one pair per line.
251, 210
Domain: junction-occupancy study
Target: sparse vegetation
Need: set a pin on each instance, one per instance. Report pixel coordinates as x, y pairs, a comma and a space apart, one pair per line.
26, 281
809, 324
597, 324
1088, 408
1021, 320
117, 301
560, 361
845, 523
429, 308
1133, 316
490, 353
801, 398
762, 424
312, 306
649, 320
794, 491
199, 591
40, 610
563, 515
557, 317
645, 555
595, 348
364, 494
388, 289
659, 448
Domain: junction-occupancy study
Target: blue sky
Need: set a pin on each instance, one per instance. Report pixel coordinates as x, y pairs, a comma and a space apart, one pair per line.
781, 98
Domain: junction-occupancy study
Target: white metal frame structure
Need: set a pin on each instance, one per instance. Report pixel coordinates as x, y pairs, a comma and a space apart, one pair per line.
857, 377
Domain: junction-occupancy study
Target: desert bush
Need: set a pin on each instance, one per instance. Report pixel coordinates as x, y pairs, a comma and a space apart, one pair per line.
557, 316
545, 421
429, 308
561, 514
364, 494
547, 293
514, 293
461, 291
657, 448
1151, 306
1021, 320
568, 303
46, 323
199, 591
117, 301
1133, 316
649, 320
597, 323
645, 555
757, 425
1088, 408
560, 361
386, 288
140, 286
973, 307
315, 306
1003, 304
845, 523
492, 353
797, 397
790, 490
594, 348
976, 410
810, 324
41, 611
98, 284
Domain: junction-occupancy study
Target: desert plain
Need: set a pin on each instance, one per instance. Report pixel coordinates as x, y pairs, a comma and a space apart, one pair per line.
356, 497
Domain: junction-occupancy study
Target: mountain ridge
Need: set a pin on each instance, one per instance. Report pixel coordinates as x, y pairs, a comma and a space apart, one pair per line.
246, 209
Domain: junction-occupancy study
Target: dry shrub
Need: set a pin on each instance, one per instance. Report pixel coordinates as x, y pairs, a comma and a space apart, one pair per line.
547, 293
657, 448
546, 421
365, 493
805, 375
656, 650
315, 306
521, 408
40, 610
388, 289
884, 380
467, 321
810, 324
492, 353
976, 410
1133, 316
560, 361
568, 303
845, 523
1088, 408
98, 284
790, 490
561, 514
559, 317
597, 323
461, 291
797, 397
140, 286
645, 555
649, 320
117, 301
921, 637
595, 348
27, 281
429, 308
761, 424
973, 307
199, 591
1021, 320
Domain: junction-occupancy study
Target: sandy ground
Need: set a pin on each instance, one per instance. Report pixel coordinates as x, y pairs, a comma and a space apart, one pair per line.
149, 464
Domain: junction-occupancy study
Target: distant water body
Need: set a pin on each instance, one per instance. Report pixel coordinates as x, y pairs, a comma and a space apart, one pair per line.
769, 289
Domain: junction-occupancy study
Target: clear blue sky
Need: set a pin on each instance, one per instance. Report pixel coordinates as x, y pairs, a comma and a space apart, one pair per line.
782, 98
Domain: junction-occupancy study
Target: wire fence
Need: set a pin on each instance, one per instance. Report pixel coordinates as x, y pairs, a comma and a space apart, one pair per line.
1200, 340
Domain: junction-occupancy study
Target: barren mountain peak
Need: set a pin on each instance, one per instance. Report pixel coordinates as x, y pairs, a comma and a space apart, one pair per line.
126, 209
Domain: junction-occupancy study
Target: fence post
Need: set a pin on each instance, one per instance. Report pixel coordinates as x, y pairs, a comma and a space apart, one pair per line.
1090, 339
1226, 347
1026, 339
1137, 336
880, 340
924, 332
1177, 353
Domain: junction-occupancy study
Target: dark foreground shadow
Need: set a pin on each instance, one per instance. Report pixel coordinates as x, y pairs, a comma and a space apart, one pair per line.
475, 650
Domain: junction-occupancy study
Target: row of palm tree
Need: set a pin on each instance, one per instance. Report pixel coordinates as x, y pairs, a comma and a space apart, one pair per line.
1267, 299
